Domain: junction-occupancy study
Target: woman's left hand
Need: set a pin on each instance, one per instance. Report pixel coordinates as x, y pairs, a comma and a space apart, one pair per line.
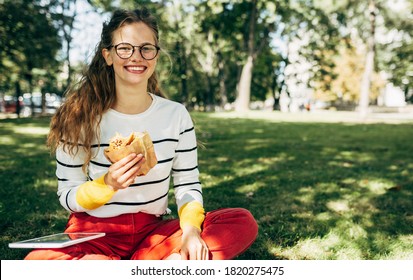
193, 246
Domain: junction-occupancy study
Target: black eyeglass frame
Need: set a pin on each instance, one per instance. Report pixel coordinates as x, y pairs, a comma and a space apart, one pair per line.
133, 49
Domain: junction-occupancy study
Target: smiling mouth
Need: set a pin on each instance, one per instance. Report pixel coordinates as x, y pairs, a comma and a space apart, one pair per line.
136, 69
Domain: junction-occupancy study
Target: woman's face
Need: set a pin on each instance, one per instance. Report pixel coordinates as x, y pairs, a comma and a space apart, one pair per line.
134, 70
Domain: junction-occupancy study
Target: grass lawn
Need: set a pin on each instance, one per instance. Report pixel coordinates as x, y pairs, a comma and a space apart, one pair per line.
319, 188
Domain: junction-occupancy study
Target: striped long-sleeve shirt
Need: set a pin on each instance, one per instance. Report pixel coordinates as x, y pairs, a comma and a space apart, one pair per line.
172, 131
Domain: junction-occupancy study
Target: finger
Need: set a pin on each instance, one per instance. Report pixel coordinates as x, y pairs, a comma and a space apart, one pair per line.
124, 161
206, 254
123, 176
199, 254
124, 166
205, 250
129, 177
183, 255
193, 255
134, 170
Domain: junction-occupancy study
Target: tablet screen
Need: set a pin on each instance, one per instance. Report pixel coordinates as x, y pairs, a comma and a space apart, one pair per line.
58, 240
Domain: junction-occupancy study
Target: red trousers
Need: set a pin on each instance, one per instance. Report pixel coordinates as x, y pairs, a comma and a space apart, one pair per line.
227, 232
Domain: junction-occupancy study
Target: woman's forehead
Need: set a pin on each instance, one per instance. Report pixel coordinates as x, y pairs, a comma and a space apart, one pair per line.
134, 33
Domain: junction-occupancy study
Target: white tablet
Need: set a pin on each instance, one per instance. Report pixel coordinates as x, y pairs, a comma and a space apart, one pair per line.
58, 240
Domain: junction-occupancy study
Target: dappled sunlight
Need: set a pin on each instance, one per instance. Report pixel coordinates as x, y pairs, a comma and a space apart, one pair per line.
317, 191
271, 162
45, 185
340, 164
222, 159
347, 118
338, 206
401, 248
248, 166
324, 216
393, 167
331, 246
31, 130
209, 181
376, 187
306, 195
7, 140
354, 156
327, 151
347, 211
250, 189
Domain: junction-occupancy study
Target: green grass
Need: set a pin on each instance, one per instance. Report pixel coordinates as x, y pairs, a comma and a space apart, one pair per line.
318, 188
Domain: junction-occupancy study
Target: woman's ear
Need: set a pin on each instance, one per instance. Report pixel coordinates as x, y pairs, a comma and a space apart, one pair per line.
107, 56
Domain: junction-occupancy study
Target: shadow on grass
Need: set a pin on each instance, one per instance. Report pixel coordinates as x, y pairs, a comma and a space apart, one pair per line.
318, 191
28, 202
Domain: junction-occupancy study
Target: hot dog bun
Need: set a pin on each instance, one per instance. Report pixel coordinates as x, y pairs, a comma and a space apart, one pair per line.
136, 142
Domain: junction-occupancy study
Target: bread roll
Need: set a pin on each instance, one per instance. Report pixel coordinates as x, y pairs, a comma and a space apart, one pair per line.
136, 142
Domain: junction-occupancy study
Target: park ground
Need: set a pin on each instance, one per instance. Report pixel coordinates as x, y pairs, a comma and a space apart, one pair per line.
321, 185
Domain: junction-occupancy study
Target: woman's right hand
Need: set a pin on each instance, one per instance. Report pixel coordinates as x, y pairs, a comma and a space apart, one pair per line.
123, 173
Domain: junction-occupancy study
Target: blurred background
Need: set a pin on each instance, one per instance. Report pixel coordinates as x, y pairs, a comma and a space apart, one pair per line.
239, 55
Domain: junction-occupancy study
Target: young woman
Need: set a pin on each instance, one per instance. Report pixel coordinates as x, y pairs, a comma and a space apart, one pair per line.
119, 93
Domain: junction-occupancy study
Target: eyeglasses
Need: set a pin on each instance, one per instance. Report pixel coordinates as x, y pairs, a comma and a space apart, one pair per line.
126, 50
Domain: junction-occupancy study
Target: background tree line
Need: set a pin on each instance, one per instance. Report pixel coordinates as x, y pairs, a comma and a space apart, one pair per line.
228, 52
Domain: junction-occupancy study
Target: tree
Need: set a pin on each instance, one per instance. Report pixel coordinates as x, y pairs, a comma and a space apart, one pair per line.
360, 21
30, 42
261, 19
369, 64
395, 54
64, 16
244, 85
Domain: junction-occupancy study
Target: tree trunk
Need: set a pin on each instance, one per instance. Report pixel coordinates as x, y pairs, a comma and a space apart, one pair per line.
182, 71
244, 90
18, 95
369, 65
275, 93
244, 85
222, 77
29, 79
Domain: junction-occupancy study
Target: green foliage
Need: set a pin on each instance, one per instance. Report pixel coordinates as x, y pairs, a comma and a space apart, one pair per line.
29, 42
207, 43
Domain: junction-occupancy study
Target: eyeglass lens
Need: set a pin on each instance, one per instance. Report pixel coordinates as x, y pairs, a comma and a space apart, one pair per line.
126, 50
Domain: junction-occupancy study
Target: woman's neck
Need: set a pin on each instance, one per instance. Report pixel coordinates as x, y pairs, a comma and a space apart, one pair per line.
132, 101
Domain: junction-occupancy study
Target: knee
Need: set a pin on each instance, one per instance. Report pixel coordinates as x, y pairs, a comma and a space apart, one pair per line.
248, 221
242, 220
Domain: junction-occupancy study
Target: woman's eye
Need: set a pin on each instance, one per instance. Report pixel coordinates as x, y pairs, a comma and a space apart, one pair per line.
147, 49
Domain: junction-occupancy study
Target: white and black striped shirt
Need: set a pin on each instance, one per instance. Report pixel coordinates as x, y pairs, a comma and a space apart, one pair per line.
172, 131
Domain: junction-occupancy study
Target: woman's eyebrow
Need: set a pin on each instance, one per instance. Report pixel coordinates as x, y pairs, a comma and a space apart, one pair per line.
144, 43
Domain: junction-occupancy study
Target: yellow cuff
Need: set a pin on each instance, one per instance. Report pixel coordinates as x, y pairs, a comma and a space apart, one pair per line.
191, 213
94, 194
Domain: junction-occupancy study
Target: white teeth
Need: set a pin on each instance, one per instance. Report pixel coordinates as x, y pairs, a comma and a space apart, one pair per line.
136, 68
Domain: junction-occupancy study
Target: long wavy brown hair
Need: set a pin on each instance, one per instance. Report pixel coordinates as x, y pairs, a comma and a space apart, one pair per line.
76, 123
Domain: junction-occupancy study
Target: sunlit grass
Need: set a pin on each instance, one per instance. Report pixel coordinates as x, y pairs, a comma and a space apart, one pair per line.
319, 190
320, 187
28, 201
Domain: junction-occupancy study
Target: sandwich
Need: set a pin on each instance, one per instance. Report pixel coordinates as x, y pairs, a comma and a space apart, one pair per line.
136, 142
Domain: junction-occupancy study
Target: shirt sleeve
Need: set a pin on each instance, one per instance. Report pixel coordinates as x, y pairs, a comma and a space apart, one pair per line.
192, 213
76, 193
185, 173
